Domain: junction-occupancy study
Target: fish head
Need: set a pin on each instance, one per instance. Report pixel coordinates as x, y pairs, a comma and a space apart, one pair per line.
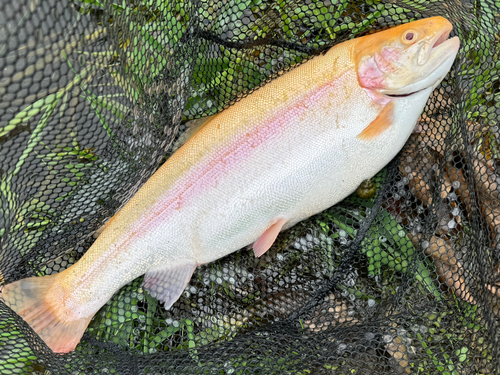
406, 59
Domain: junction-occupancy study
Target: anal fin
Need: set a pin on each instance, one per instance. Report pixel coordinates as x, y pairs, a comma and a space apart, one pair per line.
167, 284
268, 237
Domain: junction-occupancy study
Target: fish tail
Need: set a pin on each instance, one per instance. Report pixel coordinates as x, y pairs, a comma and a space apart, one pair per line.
40, 302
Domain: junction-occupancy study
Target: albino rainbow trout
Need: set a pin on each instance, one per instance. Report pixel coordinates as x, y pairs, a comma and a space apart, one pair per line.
291, 149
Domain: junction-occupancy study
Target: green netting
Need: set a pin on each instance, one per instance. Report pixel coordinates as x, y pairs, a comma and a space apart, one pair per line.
94, 95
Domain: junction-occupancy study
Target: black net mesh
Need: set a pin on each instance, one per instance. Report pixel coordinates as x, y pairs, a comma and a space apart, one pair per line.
401, 277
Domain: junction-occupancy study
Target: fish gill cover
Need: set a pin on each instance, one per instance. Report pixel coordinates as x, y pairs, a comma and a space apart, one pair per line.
401, 277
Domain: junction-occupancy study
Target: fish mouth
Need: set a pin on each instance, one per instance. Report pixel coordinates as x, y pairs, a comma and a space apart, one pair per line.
403, 95
428, 46
441, 39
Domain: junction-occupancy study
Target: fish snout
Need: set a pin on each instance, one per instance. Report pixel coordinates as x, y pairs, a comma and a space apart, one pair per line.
429, 45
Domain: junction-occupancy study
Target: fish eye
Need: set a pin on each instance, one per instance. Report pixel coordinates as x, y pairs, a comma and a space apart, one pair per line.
409, 37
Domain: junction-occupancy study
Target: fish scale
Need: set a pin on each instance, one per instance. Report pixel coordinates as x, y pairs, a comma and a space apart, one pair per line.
289, 150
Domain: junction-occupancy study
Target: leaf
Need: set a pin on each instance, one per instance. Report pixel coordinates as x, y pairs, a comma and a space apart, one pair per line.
27, 113
423, 276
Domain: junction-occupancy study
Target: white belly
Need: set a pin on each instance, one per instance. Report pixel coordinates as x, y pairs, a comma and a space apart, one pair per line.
315, 163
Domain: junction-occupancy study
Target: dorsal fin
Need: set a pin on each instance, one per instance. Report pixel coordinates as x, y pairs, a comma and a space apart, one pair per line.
101, 229
192, 128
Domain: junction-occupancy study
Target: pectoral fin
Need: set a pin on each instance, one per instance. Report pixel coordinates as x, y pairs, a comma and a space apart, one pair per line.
267, 239
167, 284
381, 123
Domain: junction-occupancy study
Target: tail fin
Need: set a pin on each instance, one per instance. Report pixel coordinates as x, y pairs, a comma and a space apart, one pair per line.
45, 312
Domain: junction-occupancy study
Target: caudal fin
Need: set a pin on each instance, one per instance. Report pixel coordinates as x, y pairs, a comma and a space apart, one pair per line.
45, 311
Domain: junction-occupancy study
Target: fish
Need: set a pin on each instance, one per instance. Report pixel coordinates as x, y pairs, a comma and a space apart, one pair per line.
293, 148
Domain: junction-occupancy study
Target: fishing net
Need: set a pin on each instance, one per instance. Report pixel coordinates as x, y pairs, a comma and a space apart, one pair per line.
401, 277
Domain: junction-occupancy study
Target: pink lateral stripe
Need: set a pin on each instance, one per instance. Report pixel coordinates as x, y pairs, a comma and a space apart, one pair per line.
242, 147
206, 175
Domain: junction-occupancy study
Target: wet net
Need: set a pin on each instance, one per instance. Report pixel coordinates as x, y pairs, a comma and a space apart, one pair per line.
401, 277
